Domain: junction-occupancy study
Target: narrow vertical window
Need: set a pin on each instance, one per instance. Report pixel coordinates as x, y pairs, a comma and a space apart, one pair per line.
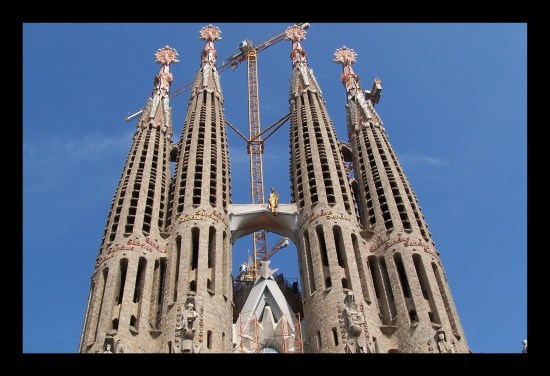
194, 248
311, 276
212, 258
225, 266
121, 280
425, 287
322, 245
97, 315
160, 296
361, 268
318, 338
405, 287
209, 339
387, 287
335, 336
177, 272
138, 288
446, 299
211, 246
138, 292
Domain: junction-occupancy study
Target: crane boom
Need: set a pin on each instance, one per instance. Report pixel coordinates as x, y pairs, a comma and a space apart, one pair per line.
232, 61
255, 142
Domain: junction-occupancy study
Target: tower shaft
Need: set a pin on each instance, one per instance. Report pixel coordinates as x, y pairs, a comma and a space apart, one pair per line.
119, 306
337, 306
414, 300
199, 270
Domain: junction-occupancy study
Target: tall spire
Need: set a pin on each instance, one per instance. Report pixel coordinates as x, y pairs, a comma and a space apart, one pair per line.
414, 302
133, 251
161, 90
199, 247
331, 262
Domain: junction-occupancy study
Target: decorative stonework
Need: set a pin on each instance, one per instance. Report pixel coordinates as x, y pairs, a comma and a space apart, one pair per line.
327, 214
203, 215
382, 244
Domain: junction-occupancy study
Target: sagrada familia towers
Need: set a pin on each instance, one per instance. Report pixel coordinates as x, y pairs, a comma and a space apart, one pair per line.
372, 280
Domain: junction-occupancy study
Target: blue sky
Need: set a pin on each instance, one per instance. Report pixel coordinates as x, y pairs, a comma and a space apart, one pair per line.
454, 106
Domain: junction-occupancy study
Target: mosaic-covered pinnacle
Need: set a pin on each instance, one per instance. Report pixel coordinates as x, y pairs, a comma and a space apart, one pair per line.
166, 55
295, 33
210, 33
345, 56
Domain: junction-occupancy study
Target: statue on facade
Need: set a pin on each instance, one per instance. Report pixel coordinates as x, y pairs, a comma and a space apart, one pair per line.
442, 344
524, 343
186, 326
107, 349
355, 321
190, 318
273, 201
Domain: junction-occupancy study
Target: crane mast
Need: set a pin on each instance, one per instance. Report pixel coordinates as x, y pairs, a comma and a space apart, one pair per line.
255, 150
255, 142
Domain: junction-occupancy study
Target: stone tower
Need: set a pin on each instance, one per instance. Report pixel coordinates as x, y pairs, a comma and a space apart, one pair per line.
415, 305
338, 310
133, 252
199, 270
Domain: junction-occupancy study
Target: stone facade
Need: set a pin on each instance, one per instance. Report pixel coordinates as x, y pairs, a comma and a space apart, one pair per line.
372, 280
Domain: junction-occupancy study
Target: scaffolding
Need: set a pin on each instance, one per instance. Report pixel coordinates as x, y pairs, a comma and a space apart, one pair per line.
249, 333
288, 339
292, 339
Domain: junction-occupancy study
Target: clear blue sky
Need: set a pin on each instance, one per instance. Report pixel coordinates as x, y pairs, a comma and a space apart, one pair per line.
453, 104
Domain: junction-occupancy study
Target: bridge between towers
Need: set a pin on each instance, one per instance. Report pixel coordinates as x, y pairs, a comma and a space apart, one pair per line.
246, 219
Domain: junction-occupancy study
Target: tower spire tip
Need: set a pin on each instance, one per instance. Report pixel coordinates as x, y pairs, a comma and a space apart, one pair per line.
166, 56
345, 56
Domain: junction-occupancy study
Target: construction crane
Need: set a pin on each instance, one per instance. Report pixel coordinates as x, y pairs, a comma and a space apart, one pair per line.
232, 61
255, 144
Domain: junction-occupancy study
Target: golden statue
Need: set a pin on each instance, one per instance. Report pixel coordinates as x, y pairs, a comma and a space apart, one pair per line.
273, 201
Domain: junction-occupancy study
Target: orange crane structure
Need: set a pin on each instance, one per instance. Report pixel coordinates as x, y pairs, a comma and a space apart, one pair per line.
255, 144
